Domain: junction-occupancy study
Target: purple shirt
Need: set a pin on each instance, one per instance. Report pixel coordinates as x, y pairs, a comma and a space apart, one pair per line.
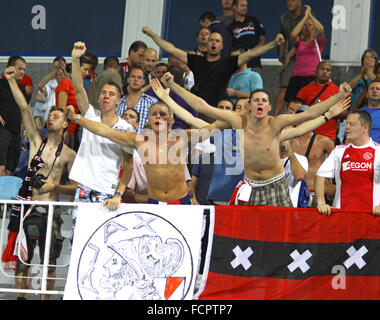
178, 123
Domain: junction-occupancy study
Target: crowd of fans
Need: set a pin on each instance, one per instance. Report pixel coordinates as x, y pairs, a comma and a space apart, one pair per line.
222, 79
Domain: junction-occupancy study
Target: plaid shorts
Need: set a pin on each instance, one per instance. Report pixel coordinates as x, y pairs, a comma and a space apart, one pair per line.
272, 194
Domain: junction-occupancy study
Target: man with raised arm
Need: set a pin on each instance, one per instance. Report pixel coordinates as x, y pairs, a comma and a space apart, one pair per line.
212, 73
97, 165
162, 151
49, 158
286, 134
264, 183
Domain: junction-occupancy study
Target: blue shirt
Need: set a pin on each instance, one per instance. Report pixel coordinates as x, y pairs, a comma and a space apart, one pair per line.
178, 123
247, 81
361, 86
228, 166
375, 115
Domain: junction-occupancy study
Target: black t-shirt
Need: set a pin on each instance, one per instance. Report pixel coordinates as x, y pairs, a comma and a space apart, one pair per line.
9, 110
247, 34
211, 78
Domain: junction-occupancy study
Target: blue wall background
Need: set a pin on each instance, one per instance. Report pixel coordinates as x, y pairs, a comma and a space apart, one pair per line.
375, 40
181, 20
100, 24
97, 22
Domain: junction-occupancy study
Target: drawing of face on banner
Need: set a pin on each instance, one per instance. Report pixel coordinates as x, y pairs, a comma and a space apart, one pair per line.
135, 255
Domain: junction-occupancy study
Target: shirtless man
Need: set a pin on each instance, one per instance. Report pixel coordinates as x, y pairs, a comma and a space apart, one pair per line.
166, 179
51, 165
163, 152
320, 149
264, 183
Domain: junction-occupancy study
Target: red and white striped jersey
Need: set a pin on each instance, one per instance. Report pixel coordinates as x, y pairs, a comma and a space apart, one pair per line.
357, 174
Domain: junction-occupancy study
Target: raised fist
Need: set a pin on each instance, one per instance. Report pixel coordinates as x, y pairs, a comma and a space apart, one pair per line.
167, 79
78, 50
345, 89
69, 111
146, 30
10, 73
279, 40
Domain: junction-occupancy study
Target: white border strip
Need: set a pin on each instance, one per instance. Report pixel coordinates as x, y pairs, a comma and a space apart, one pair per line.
264, 62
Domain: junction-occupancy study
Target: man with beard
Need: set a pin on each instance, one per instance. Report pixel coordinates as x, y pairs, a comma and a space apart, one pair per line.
49, 159
212, 73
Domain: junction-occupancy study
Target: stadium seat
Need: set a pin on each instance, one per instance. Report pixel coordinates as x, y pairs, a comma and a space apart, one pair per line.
9, 187
22, 166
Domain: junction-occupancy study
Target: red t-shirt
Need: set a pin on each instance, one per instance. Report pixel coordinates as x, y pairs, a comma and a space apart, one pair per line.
308, 93
25, 81
66, 86
357, 169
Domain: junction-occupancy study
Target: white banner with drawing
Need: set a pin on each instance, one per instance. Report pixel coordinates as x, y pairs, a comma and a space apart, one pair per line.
139, 252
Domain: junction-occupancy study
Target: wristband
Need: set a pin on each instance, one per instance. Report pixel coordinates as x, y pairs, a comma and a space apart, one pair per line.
77, 118
118, 194
324, 117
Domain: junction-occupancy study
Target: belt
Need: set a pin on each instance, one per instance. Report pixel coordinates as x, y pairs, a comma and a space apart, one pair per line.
264, 183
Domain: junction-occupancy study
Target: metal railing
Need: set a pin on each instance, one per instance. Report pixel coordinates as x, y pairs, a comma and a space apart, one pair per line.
44, 278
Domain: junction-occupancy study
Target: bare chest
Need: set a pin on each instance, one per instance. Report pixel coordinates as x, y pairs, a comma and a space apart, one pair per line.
164, 153
260, 141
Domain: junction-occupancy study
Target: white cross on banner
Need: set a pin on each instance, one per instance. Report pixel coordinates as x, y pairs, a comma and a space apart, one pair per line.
299, 261
356, 257
241, 258
139, 252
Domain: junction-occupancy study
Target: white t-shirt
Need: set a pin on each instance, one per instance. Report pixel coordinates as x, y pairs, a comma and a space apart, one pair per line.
42, 109
98, 161
294, 185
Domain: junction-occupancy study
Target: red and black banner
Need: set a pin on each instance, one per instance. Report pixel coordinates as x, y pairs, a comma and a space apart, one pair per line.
291, 253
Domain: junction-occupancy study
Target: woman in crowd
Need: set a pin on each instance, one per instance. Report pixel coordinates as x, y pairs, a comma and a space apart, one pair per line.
308, 52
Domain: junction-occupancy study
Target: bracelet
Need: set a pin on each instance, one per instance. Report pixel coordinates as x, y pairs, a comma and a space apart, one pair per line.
77, 118
324, 117
119, 194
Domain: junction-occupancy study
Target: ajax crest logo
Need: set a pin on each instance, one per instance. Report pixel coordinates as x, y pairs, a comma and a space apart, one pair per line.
137, 256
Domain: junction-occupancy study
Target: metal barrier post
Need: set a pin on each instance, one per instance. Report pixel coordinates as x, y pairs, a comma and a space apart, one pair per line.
47, 248
45, 277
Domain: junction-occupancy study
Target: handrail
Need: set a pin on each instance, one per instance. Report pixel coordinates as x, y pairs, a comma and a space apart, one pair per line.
44, 278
